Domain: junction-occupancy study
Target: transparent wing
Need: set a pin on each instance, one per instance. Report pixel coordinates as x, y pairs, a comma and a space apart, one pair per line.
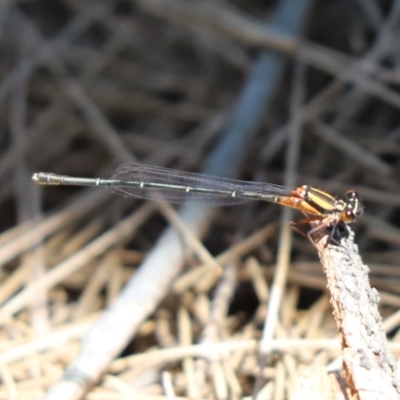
157, 183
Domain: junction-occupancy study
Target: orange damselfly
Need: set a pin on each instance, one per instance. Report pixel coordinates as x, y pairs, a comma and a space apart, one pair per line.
158, 183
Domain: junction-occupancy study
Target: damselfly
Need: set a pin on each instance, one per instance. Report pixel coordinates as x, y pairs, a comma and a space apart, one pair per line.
157, 183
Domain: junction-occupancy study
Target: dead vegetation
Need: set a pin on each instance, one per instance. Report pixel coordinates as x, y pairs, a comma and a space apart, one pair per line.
111, 298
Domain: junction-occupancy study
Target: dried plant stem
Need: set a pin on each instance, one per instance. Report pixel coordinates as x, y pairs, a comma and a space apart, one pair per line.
369, 367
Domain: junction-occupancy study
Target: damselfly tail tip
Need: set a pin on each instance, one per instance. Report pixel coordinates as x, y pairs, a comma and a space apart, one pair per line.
40, 178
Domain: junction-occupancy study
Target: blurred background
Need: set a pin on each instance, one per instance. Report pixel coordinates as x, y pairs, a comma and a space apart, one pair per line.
287, 92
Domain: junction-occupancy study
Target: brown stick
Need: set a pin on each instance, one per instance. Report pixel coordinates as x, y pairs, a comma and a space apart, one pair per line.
368, 367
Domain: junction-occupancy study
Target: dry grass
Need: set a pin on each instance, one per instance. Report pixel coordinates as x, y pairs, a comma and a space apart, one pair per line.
108, 298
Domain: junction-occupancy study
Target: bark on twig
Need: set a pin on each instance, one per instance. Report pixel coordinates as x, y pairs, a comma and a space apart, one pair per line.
369, 368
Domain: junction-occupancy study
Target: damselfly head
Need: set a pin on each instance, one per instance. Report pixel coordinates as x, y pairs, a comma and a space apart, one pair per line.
354, 207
